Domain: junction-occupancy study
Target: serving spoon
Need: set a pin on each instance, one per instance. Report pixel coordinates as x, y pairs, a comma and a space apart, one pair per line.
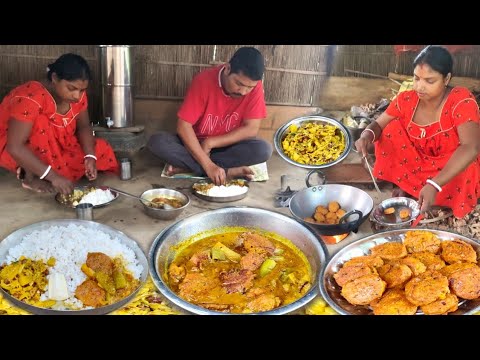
154, 205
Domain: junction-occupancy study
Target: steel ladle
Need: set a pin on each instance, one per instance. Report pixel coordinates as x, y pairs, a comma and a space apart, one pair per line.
155, 205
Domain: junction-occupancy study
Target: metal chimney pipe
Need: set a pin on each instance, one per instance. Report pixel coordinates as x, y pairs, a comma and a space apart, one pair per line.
116, 67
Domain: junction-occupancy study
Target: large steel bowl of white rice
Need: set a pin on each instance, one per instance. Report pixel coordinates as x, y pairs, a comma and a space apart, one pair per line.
69, 242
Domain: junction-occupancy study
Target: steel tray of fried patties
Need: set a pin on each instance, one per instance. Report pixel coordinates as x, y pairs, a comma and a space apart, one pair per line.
330, 290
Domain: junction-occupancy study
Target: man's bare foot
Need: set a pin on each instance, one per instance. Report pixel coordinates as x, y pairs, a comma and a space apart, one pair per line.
240, 172
172, 170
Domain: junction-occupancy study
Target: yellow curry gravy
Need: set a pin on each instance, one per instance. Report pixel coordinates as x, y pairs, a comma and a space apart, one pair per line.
240, 272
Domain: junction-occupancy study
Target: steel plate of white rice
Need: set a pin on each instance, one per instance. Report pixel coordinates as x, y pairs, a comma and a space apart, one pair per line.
69, 242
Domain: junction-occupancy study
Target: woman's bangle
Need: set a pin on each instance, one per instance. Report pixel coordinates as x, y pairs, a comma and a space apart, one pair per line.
373, 133
434, 184
90, 156
46, 172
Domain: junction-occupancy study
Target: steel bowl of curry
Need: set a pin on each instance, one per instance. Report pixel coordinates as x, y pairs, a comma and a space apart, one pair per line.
237, 260
164, 204
313, 142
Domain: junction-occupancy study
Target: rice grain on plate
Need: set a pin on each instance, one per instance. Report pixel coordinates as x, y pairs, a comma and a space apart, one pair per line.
226, 191
69, 245
97, 197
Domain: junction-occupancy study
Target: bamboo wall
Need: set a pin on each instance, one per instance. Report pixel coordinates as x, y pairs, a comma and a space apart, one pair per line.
381, 59
295, 75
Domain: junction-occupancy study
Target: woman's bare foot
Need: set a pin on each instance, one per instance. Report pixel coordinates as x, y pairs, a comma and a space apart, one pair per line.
240, 172
397, 192
37, 185
172, 170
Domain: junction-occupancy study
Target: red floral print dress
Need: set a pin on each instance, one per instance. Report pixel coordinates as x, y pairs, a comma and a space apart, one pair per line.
408, 154
52, 138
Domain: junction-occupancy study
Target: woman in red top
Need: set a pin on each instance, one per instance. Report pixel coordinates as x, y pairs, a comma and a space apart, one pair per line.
428, 139
45, 132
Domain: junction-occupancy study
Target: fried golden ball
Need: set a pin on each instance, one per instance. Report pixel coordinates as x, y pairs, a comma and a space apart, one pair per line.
321, 209
340, 213
319, 217
333, 206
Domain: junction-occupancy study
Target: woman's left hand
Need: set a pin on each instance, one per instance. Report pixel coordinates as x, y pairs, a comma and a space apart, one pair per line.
90, 168
427, 197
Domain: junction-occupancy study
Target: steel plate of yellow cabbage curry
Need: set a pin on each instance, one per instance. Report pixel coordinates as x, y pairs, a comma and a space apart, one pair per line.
313, 144
240, 272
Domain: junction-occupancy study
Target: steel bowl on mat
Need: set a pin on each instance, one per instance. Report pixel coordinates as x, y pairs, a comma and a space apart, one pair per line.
341, 129
164, 214
67, 200
331, 291
17, 236
355, 202
163, 249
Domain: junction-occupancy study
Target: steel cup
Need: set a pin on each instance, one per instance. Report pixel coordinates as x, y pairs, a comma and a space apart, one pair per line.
84, 211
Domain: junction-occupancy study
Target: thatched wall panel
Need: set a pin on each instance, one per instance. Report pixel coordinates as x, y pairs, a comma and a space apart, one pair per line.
298, 91
49, 51
381, 59
196, 54
158, 80
295, 73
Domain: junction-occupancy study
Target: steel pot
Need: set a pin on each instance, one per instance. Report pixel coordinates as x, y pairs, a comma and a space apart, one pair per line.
357, 203
163, 249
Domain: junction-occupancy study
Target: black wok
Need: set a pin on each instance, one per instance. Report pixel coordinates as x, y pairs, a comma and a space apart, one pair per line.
357, 203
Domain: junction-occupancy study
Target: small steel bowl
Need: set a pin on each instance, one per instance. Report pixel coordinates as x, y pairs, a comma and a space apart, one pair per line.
283, 131
397, 203
164, 214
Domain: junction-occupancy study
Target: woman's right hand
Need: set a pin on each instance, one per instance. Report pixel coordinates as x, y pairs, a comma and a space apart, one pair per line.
361, 146
61, 184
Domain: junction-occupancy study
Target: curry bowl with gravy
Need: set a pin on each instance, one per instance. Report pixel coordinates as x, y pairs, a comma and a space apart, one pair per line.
237, 260
176, 202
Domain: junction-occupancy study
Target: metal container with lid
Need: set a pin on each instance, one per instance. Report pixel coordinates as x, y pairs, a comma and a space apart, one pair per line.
116, 67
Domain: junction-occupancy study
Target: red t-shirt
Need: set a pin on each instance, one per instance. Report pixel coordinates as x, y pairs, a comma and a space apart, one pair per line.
212, 112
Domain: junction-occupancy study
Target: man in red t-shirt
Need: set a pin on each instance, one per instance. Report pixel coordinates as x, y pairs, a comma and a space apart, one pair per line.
218, 122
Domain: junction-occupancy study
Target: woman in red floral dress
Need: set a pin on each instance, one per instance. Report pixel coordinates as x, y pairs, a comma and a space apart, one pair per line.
45, 132
427, 142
